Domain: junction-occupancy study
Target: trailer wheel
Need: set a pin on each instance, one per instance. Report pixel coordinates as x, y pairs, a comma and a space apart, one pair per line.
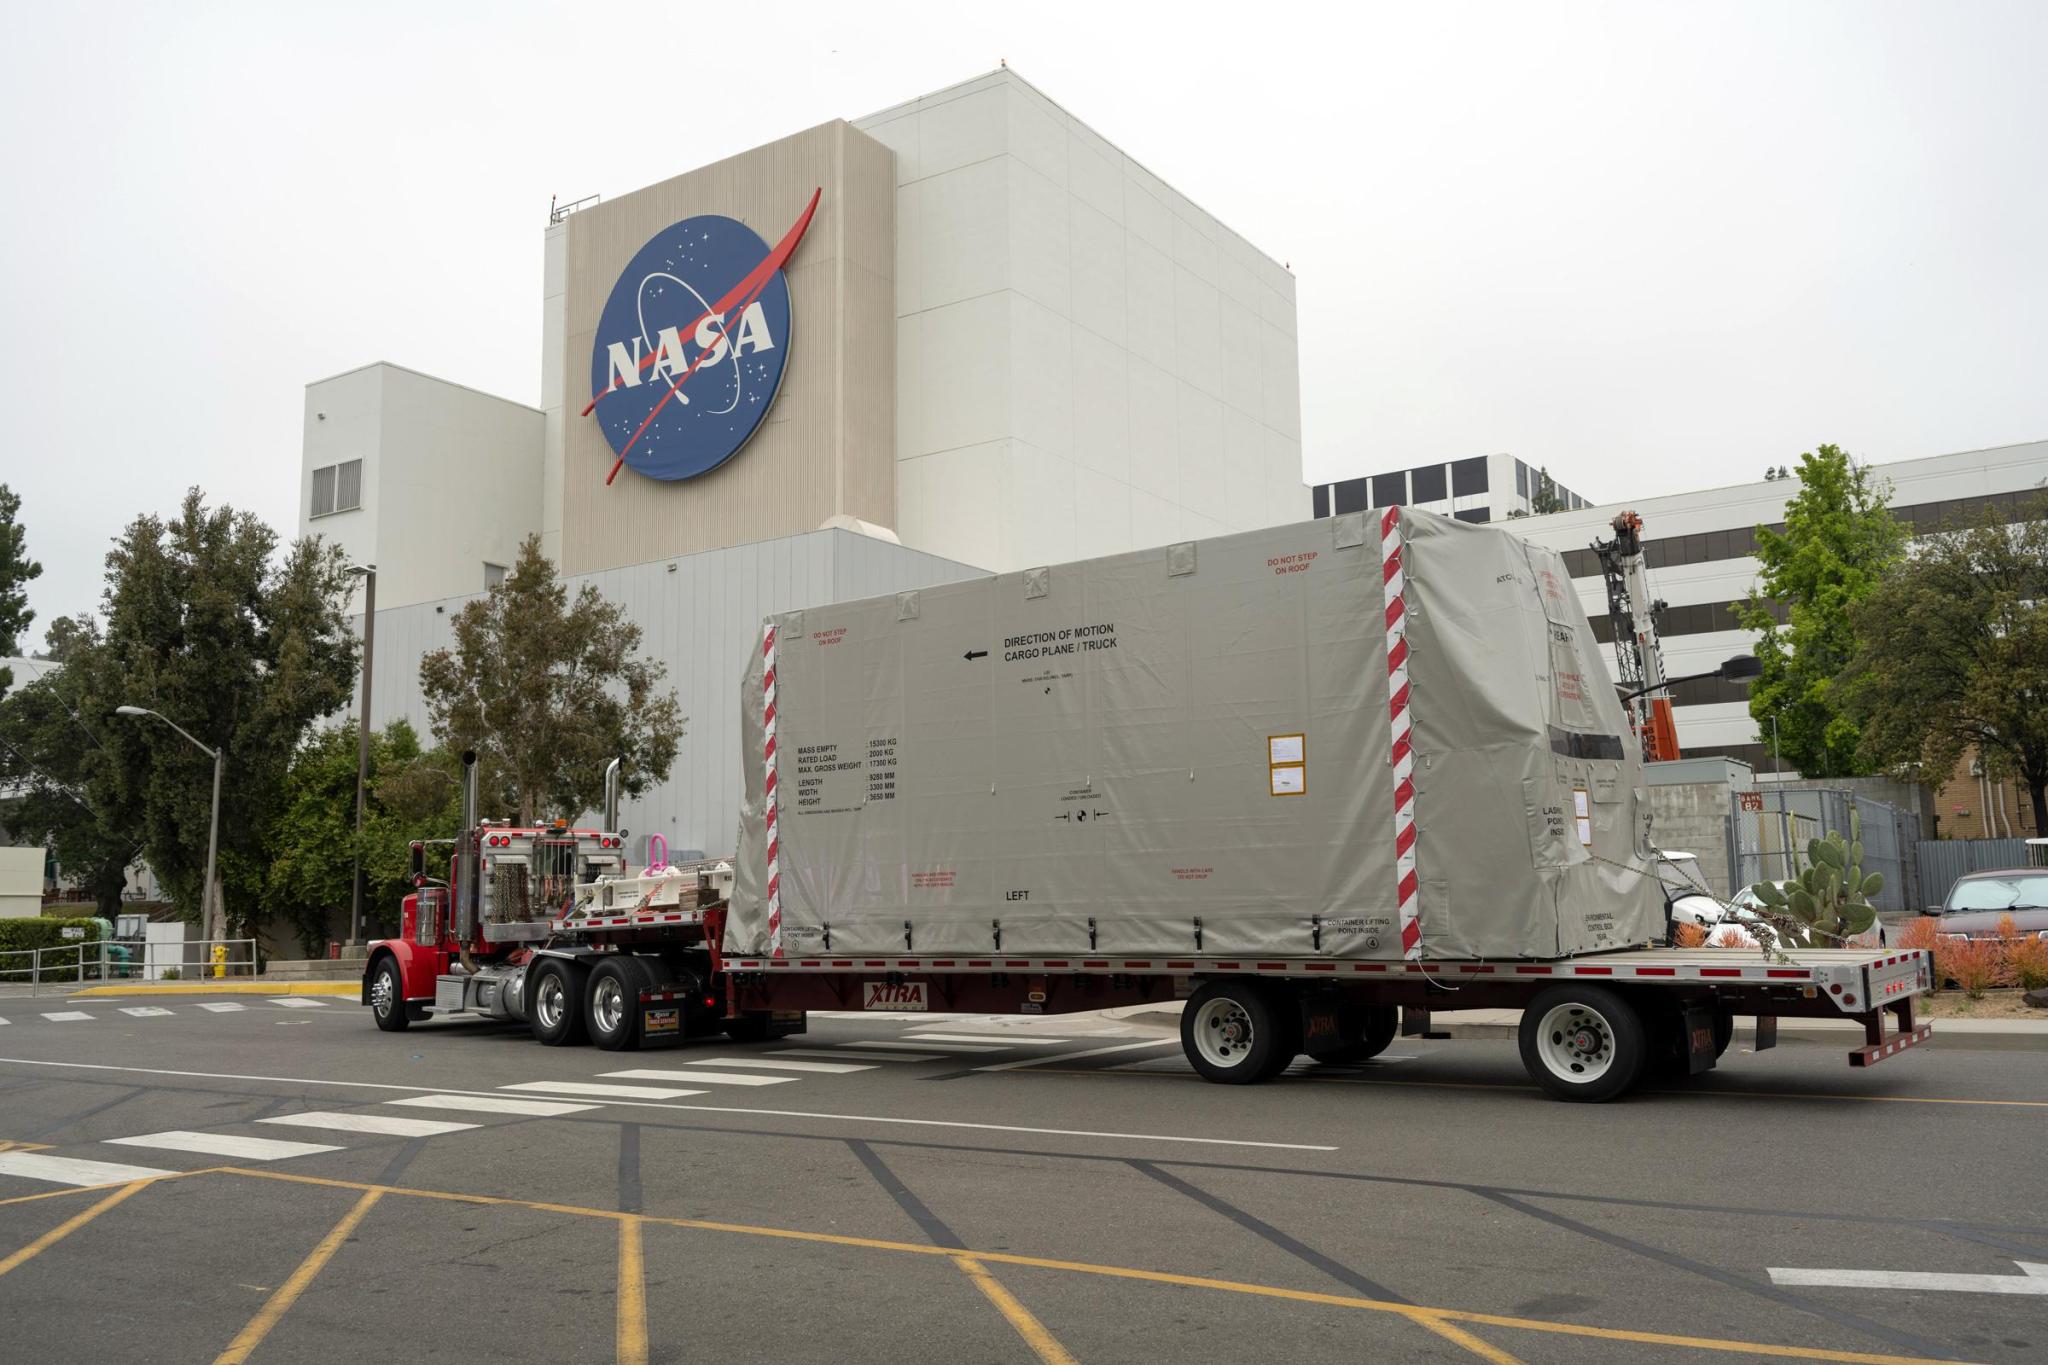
555, 1003
1380, 1025
387, 996
1582, 1043
1235, 1033
612, 1003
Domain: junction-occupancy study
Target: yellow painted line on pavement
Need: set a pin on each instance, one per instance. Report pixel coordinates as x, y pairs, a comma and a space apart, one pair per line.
1486, 1351
280, 1303
1043, 1344
69, 1226
1414, 1312
225, 988
632, 1329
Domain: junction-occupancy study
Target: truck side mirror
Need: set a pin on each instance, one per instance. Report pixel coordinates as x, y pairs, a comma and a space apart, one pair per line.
419, 862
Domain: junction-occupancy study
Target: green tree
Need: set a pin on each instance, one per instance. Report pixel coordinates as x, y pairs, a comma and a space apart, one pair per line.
548, 691
413, 794
57, 753
1543, 499
17, 571
1953, 655
207, 622
1839, 541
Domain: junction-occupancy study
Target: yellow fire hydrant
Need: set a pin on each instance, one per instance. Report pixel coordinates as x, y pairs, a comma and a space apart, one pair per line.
220, 959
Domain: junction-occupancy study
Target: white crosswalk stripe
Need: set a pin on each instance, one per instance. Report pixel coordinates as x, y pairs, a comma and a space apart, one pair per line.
772, 1064
67, 1016
222, 1144
494, 1104
2, 1021
222, 1006
143, 1011
68, 1170
694, 1076
620, 1092
1002, 1041
299, 1002
928, 1045
385, 1125
848, 1051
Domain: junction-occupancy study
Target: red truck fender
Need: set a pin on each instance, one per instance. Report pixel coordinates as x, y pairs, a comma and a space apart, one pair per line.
417, 967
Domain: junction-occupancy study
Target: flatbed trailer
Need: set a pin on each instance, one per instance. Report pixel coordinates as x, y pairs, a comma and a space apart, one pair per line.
649, 973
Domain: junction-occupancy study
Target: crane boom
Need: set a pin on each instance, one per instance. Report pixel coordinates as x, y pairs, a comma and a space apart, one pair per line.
1638, 657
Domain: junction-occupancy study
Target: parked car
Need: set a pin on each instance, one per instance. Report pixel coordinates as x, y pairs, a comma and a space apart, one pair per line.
1729, 925
1979, 900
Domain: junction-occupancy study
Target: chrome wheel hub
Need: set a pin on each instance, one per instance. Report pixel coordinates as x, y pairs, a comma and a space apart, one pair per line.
549, 1002
1223, 1032
1575, 1042
608, 1005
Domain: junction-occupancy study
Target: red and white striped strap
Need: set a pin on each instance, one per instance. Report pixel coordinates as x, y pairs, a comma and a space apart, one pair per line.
1401, 734
768, 788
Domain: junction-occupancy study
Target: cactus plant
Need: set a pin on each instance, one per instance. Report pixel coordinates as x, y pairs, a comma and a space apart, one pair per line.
1829, 900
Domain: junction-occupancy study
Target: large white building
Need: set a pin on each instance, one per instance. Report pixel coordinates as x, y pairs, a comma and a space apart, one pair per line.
1700, 546
995, 341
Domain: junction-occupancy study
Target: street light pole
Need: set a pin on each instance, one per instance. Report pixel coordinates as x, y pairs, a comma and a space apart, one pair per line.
368, 573
209, 893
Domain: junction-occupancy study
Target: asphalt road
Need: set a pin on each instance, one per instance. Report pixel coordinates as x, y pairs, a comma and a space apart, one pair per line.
455, 1197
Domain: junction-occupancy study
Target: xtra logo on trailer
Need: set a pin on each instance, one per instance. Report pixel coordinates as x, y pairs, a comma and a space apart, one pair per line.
692, 344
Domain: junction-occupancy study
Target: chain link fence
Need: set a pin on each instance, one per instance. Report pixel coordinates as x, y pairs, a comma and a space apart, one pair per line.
1772, 829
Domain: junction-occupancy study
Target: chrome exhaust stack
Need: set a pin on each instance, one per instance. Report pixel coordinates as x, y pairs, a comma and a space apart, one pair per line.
611, 798
466, 898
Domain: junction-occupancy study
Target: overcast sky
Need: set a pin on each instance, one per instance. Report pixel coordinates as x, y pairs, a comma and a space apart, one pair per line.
1652, 247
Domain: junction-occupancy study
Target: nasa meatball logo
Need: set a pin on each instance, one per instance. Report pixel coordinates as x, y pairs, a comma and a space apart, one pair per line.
692, 345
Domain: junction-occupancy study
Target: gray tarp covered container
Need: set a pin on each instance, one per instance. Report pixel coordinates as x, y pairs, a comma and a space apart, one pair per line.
1193, 751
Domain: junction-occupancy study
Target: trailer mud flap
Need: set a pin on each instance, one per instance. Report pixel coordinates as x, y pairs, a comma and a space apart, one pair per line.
1700, 1052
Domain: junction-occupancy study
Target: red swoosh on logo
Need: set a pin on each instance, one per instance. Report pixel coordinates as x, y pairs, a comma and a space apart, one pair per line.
738, 297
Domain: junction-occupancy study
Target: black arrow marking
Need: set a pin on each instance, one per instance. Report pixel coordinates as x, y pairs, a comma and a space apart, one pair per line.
974, 654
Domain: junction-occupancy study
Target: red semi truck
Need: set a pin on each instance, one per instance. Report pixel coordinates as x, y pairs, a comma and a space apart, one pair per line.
647, 970
1090, 785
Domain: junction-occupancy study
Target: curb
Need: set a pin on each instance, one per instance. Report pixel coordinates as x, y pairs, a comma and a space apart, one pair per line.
227, 988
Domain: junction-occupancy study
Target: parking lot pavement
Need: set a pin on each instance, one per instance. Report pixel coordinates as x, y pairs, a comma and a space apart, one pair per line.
280, 1182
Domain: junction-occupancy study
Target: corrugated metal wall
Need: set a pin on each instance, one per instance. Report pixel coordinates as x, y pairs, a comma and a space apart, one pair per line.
701, 616
1944, 860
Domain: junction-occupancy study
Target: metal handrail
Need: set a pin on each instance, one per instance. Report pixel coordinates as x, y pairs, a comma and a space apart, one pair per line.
94, 961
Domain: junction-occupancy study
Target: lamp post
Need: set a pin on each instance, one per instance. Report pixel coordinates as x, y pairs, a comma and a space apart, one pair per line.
1741, 666
368, 573
209, 893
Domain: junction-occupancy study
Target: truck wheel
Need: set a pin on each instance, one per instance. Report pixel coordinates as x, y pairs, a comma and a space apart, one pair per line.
1381, 1023
1233, 1033
555, 1003
1582, 1043
612, 1003
387, 996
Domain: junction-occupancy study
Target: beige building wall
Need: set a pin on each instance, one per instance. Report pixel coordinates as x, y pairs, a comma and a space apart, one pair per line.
1089, 362
828, 445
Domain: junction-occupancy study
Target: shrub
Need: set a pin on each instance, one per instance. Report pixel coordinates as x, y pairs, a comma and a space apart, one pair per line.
1730, 938
1685, 934
2024, 956
17, 935
1973, 964
1918, 933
